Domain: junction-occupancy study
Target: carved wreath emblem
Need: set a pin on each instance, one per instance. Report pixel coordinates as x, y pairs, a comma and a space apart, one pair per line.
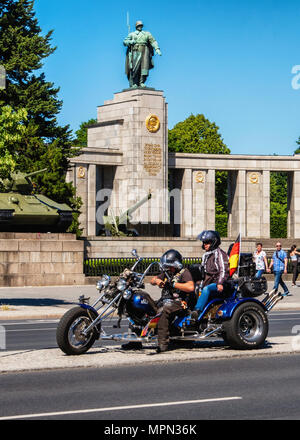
152, 123
81, 173
199, 177
254, 178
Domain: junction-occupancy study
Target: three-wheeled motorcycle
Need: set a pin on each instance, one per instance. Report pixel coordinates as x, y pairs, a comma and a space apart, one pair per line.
238, 316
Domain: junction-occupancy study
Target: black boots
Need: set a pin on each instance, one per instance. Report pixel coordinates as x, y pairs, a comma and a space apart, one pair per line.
162, 348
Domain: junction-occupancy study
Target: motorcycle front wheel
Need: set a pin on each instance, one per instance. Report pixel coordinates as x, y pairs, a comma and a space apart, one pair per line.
69, 336
248, 327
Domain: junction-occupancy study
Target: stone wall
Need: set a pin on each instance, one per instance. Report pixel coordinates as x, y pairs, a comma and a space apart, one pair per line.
106, 247
33, 259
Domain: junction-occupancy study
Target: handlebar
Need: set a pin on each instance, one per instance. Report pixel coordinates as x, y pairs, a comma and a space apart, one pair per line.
146, 271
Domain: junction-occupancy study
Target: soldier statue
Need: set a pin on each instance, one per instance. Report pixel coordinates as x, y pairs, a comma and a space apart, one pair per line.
140, 50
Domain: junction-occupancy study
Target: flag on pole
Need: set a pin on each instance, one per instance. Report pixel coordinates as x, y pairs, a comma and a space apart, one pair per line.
234, 256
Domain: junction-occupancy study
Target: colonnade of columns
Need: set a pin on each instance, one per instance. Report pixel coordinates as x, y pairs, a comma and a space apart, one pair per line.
248, 202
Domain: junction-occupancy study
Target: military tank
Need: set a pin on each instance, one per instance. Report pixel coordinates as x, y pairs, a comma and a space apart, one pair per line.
23, 211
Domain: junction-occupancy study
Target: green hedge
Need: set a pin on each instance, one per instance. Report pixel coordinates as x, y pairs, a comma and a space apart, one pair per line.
221, 224
114, 266
278, 226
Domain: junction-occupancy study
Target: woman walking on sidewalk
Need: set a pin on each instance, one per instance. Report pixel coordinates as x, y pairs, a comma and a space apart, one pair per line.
260, 260
294, 259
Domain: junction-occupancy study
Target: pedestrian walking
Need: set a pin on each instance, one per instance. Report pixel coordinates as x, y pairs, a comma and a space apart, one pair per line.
294, 255
279, 263
260, 259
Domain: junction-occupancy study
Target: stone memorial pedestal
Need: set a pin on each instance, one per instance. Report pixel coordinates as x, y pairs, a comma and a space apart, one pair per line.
126, 157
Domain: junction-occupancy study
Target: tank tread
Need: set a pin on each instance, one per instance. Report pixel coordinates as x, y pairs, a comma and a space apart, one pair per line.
65, 220
6, 215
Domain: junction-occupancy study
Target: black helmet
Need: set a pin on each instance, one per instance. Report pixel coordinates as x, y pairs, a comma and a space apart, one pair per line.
171, 258
212, 237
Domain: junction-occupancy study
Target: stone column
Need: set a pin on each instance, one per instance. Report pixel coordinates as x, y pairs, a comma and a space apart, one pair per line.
294, 205
210, 202
81, 184
266, 224
258, 204
187, 204
236, 203
198, 202
91, 205
203, 200
249, 204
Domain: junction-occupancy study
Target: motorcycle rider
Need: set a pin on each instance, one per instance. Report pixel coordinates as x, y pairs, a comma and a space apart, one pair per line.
176, 288
216, 269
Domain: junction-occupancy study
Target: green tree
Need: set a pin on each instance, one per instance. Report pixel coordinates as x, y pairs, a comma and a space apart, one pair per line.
298, 149
23, 50
278, 205
196, 134
81, 133
12, 132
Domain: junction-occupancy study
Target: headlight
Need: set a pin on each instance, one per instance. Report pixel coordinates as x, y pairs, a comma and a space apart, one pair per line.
99, 285
105, 280
127, 294
122, 284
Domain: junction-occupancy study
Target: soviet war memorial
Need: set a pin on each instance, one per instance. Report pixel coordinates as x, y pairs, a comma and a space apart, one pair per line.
149, 212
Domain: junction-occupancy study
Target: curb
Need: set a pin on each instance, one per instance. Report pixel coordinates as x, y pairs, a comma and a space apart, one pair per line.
108, 356
32, 313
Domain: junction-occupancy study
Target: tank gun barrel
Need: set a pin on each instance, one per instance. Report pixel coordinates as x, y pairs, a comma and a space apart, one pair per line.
127, 214
112, 223
34, 173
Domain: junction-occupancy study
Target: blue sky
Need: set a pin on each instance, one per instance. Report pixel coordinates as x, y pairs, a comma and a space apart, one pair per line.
231, 60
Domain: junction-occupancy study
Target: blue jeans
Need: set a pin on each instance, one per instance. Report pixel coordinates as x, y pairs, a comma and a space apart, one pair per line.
207, 293
259, 273
278, 280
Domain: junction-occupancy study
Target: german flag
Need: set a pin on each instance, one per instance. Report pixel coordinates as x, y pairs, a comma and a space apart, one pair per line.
234, 256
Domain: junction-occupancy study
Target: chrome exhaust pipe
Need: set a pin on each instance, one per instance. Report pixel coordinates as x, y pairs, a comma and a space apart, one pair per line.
274, 301
269, 298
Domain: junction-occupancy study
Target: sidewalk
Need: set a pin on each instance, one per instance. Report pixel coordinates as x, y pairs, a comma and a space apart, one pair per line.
52, 302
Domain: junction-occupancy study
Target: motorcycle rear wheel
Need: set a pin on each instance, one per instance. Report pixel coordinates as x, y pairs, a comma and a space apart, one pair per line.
248, 327
69, 335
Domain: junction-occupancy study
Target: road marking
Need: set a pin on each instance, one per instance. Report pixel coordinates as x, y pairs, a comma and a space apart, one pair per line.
119, 408
22, 330
283, 319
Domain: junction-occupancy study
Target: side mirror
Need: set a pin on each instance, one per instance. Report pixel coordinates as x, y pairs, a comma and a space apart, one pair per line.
134, 253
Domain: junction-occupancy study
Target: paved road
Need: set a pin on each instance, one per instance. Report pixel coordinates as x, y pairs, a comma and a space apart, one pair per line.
248, 388
40, 334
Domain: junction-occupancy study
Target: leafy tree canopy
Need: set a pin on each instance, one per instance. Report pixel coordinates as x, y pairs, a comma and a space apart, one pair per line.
12, 131
196, 134
44, 143
81, 133
298, 149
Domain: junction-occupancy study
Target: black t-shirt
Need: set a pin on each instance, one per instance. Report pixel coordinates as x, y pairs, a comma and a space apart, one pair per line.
184, 276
